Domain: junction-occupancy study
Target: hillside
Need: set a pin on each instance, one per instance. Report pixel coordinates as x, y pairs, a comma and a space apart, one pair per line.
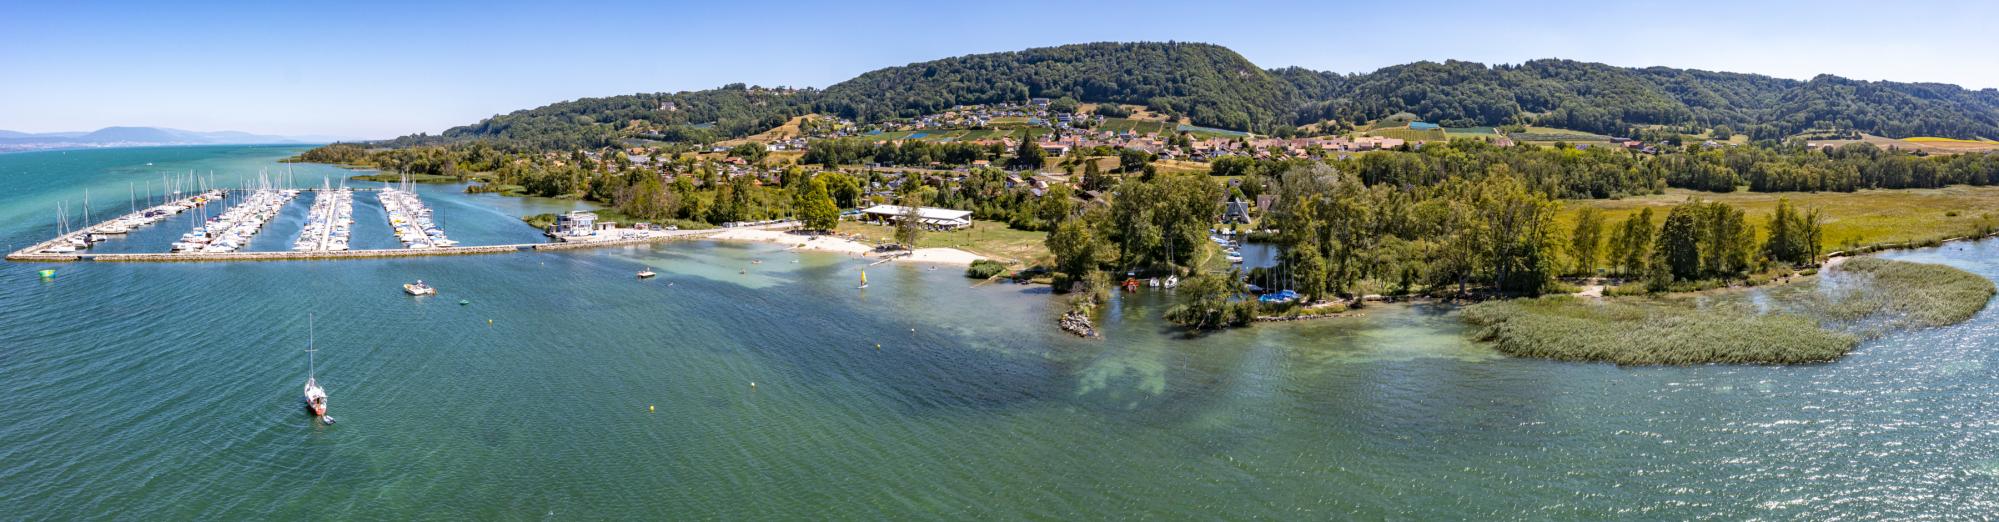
1213, 86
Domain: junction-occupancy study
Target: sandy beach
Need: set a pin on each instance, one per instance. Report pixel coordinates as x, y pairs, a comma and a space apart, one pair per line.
836, 244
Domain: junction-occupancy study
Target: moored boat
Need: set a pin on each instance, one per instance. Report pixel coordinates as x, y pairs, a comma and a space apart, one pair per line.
418, 288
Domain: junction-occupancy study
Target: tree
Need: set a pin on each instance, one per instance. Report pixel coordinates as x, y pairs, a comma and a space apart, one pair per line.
845, 190
1029, 155
1093, 178
1587, 239
1208, 301
1055, 206
1076, 247
815, 206
648, 199
1794, 237
1131, 160
751, 152
1631, 243
909, 226
1678, 247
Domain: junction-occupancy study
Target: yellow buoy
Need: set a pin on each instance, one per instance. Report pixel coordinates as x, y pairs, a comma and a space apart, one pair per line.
649, 407
489, 322
753, 384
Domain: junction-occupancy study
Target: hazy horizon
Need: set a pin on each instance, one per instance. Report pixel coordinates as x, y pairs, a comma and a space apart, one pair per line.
372, 71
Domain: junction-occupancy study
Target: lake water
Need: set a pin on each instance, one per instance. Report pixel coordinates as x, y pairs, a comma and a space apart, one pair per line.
568, 389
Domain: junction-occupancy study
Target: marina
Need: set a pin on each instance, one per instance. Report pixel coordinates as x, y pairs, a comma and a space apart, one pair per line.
411, 220
329, 223
232, 229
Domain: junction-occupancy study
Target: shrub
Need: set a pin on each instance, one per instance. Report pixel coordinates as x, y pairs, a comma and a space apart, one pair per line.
985, 269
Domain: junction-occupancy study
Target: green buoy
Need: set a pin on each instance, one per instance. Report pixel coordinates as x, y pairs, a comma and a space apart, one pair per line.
462, 302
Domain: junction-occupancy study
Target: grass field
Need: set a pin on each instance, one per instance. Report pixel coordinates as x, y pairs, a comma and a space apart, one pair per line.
1469, 132
946, 135
1851, 219
1930, 145
986, 238
1209, 132
1180, 167
1137, 126
1407, 134
1932, 139
789, 129
1550, 135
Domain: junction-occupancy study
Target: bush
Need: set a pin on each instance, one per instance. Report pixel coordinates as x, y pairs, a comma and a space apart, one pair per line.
985, 269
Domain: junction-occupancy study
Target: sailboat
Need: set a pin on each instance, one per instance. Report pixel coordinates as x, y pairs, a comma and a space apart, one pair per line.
864, 279
315, 397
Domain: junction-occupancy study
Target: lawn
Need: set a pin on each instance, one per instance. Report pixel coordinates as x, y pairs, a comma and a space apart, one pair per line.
1851, 219
987, 238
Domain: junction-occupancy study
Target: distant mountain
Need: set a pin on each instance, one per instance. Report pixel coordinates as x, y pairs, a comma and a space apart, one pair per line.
133, 137
1213, 86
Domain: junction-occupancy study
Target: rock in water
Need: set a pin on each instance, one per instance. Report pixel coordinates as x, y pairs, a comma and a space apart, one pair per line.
1077, 322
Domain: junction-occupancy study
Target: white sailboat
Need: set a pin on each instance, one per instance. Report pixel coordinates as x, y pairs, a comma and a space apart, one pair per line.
315, 396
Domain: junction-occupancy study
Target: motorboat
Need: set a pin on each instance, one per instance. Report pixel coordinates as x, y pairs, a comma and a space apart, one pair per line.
646, 273
418, 288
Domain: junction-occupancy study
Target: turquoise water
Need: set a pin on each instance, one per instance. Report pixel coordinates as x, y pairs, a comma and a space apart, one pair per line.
171, 391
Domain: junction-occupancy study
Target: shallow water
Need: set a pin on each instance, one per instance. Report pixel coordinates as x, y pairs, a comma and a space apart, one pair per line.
170, 390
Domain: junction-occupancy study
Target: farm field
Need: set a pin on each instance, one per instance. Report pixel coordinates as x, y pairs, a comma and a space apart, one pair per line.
1852, 219
1931, 145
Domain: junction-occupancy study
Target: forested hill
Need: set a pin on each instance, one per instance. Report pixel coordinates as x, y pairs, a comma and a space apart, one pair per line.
1210, 84
1213, 86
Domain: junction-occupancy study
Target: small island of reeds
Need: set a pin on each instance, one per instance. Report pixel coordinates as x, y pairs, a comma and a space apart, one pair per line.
1815, 319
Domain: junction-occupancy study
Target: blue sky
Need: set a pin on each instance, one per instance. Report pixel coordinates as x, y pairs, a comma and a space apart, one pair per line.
372, 70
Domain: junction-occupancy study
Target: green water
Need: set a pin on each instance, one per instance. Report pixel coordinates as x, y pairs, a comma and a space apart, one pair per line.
170, 391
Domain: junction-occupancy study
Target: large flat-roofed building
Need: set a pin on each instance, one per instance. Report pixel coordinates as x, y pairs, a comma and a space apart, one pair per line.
939, 218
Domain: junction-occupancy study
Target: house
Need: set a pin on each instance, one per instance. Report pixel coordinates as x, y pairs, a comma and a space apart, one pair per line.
1235, 211
936, 218
576, 223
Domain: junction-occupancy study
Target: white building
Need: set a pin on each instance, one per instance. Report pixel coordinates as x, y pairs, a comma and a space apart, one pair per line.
939, 218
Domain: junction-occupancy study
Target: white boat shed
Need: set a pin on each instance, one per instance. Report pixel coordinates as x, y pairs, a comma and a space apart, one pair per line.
939, 218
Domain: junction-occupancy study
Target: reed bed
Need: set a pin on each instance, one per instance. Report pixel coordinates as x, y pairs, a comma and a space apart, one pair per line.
1813, 320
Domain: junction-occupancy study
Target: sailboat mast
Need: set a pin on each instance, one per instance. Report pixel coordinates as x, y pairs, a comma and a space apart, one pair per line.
311, 345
